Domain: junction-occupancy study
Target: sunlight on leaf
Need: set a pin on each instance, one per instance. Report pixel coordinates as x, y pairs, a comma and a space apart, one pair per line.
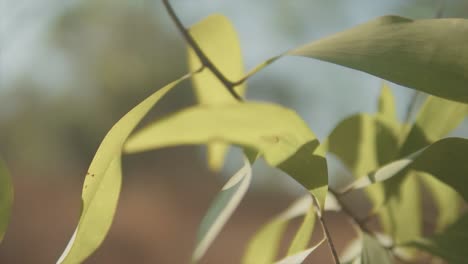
449, 244
299, 257
102, 184
279, 134
6, 199
428, 55
264, 245
447, 200
216, 36
445, 160
436, 119
373, 252
221, 209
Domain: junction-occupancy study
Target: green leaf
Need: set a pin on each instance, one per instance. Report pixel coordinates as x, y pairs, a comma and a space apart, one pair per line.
264, 245
299, 257
363, 143
101, 186
447, 201
401, 217
436, 119
223, 206
279, 134
444, 159
304, 233
216, 36
386, 106
428, 55
6, 199
373, 252
449, 244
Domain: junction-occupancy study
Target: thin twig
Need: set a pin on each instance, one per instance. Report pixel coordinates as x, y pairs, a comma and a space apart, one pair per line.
201, 55
331, 246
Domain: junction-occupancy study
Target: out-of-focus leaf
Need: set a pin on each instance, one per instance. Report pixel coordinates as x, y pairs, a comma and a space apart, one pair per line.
331, 203
279, 134
352, 251
221, 209
401, 217
364, 142
216, 36
449, 244
444, 159
264, 245
304, 233
6, 199
413, 53
436, 119
447, 200
386, 106
373, 252
299, 257
102, 183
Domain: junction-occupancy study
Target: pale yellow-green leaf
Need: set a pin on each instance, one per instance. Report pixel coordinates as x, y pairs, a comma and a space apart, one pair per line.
436, 119
300, 257
101, 186
373, 252
364, 142
444, 159
221, 209
429, 55
401, 217
303, 235
386, 106
264, 245
447, 201
449, 244
279, 134
6, 199
217, 38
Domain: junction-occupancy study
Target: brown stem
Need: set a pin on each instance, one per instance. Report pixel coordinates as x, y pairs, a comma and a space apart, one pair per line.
201, 55
331, 246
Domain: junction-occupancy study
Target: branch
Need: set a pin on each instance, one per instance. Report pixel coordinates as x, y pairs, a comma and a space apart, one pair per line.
201, 55
325, 230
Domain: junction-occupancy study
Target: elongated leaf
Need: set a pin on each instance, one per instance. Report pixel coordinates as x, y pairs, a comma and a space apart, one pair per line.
428, 55
364, 142
218, 39
221, 209
449, 244
386, 106
445, 160
264, 245
436, 119
447, 201
279, 134
299, 257
6, 199
373, 252
401, 218
101, 187
304, 233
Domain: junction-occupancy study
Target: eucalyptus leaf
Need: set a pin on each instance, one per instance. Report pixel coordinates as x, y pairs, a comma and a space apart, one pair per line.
449, 244
436, 119
279, 134
221, 209
216, 36
300, 257
373, 252
444, 159
264, 245
6, 199
428, 55
102, 184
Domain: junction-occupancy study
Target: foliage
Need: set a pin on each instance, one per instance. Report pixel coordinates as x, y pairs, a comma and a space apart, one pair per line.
388, 159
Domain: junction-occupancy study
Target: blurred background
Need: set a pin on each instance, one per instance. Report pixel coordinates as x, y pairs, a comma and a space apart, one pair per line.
70, 69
